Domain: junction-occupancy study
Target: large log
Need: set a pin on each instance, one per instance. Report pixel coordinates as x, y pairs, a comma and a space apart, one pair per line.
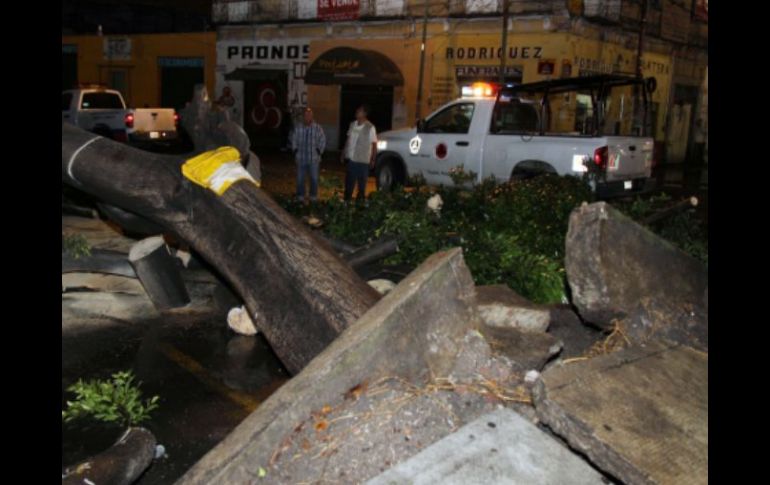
299, 293
121, 464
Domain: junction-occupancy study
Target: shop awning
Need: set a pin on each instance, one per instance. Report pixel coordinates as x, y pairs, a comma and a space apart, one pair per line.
345, 65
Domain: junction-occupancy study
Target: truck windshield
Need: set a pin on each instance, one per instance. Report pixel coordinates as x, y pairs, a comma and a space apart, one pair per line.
101, 101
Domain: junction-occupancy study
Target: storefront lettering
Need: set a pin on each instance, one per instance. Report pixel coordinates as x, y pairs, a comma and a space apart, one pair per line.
338, 65
598, 66
529, 52
273, 52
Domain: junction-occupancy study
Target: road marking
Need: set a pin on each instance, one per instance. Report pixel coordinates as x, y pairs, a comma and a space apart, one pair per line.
246, 401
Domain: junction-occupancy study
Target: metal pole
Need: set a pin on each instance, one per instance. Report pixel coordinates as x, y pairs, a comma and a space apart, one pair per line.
418, 111
642, 23
504, 43
640, 111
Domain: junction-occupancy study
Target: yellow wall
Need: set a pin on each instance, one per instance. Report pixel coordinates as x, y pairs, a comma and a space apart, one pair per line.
144, 73
440, 84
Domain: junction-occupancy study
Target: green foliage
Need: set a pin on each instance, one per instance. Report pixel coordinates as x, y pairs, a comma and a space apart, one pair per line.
76, 246
685, 229
460, 177
510, 233
329, 182
115, 401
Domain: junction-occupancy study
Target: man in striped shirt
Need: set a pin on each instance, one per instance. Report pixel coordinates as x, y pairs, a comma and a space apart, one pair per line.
308, 143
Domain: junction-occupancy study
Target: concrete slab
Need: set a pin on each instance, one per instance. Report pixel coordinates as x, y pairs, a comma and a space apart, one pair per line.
501, 447
640, 414
412, 332
618, 269
529, 349
500, 306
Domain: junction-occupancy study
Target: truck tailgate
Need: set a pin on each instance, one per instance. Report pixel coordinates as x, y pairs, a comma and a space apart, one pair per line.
628, 157
149, 120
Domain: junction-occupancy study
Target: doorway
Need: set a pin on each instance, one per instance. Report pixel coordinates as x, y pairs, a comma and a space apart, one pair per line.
69, 67
178, 77
379, 99
265, 116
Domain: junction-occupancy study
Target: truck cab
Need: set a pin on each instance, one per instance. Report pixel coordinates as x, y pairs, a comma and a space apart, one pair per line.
519, 132
103, 112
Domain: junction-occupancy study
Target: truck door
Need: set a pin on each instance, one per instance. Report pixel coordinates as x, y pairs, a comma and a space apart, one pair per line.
445, 143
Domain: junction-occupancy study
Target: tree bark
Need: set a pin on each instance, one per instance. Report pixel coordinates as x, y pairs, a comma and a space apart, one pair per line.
121, 464
299, 293
159, 273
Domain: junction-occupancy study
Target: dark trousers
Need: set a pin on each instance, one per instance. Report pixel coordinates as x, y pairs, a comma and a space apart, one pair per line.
356, 174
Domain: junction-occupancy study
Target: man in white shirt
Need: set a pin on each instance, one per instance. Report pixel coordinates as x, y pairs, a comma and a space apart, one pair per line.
359, 153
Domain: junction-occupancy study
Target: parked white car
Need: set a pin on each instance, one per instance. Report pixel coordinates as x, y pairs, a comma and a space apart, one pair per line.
505, 136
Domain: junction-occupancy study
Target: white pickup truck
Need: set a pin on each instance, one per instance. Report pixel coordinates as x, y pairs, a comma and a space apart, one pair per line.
104, 112
527, 130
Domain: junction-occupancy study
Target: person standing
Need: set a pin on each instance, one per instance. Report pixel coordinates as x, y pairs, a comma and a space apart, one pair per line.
308, 142
359, 153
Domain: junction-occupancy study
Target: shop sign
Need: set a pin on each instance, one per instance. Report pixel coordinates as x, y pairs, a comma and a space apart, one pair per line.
338, 9
476, 72
117, 48
546, 67
493, 52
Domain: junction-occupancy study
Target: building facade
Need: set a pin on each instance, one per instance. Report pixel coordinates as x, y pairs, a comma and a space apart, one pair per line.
265, 50
148, 69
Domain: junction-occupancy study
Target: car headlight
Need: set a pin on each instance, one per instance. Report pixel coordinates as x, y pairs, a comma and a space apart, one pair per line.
382, 145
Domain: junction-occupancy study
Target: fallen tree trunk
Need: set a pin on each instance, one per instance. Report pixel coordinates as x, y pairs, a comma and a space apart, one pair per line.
121, 464
669, 211
299, 293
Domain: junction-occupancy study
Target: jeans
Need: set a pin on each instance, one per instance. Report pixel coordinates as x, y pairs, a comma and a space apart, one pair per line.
312, 169
356, 174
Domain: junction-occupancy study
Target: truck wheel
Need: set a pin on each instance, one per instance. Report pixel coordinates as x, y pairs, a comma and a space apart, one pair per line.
388, 175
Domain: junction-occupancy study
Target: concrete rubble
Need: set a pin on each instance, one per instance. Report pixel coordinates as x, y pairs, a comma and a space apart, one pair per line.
407, 392
621, 273
640, 414
499, 447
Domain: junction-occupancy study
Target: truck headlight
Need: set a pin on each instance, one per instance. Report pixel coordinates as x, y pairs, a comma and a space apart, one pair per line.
382, 144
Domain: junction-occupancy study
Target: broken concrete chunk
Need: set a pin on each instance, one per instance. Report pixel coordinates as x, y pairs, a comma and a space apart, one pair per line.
382, 286
577, 337
239, 321
613, 264
499, 447
500, 306
411, 332
531, 350
640, 414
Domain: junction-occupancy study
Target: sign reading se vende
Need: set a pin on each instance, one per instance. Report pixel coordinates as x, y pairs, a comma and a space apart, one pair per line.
338, 9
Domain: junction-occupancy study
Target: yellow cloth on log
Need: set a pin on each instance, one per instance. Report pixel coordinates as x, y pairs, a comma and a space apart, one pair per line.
217, 169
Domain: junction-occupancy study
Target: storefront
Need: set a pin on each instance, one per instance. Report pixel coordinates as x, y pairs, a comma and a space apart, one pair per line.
264, 81
149, 69
458, 52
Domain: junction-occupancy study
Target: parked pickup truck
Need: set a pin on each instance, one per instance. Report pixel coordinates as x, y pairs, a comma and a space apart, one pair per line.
560, 127
104, 112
